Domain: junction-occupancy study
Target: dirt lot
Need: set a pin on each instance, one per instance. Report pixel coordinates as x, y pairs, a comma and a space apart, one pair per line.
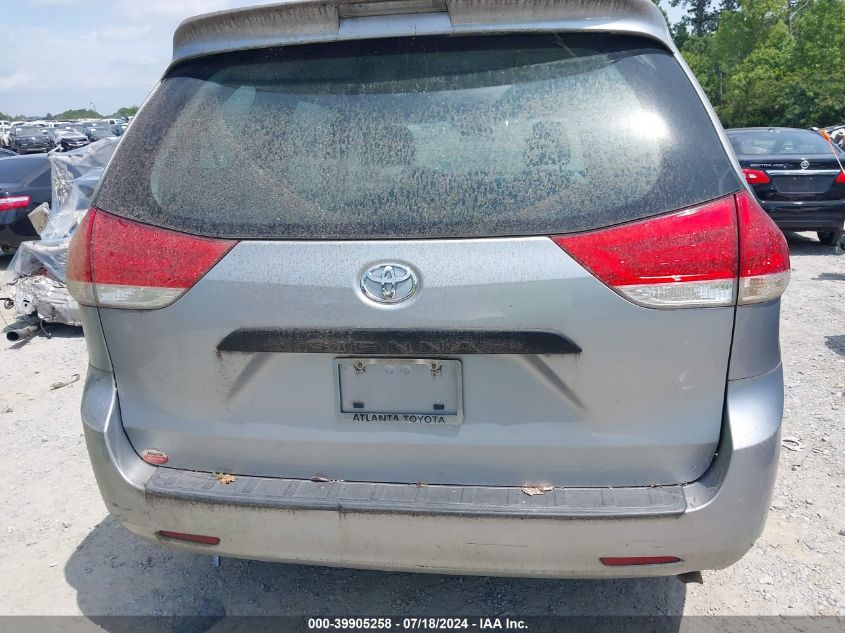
60, 553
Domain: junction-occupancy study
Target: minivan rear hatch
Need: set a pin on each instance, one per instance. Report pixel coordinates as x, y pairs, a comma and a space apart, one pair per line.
307, 188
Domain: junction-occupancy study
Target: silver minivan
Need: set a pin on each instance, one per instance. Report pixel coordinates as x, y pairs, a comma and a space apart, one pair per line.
455, 286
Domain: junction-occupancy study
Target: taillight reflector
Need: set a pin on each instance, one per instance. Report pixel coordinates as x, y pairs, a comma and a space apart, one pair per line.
684, 259
756, 177
763, 253
626, 561
840, 178
14, 202
191, 538
118, 263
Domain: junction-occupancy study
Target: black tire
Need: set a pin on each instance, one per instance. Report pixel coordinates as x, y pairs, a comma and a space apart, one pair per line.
829, 238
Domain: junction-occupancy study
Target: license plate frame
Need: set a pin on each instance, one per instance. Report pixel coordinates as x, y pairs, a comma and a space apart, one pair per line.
399, 390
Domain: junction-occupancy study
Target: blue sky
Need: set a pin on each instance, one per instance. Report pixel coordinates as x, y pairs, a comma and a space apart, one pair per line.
62, 54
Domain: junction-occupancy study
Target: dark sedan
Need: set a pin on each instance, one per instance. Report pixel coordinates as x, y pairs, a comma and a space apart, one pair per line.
98, 131
24, 184
29, 139
797, 176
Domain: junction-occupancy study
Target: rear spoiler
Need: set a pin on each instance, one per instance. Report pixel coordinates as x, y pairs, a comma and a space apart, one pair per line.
304, 21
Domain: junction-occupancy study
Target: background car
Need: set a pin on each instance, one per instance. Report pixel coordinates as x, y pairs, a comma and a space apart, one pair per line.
98, 131
26, 139
797, 176
5, 153
5, 126
67, 138
24, 184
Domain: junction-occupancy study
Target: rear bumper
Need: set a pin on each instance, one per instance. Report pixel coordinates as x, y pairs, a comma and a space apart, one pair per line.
709, 523
807, 216
16, 227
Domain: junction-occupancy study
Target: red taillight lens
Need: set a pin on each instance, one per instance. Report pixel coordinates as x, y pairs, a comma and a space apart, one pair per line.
191, 538
79, 281
627, 561
118, 263
840, 178
763, 253
756, 177
684, 259
14, 202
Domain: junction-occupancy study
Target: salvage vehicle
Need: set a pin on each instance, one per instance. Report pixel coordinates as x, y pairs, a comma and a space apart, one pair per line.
24, 184
67, 138
367, 284
797, 176
26, 139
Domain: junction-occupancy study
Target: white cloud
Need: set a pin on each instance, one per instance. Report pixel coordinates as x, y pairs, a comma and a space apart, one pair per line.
18, 80
135, 9
68, 53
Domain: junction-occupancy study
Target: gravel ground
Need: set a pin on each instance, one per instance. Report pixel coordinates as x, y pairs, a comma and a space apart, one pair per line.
60, 553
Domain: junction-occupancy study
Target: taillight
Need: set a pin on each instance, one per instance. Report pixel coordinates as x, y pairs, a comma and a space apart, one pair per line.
756, 177
14, 202
684, 259
118, 263
763, 253
690, 258
840, 178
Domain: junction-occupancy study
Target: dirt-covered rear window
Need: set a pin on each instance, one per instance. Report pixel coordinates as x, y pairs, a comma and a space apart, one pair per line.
419, 137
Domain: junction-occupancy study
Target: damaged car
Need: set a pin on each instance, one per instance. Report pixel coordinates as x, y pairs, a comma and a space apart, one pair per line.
67, 138
66, 181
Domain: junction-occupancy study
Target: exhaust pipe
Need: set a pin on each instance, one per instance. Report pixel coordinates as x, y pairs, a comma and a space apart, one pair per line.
21, 333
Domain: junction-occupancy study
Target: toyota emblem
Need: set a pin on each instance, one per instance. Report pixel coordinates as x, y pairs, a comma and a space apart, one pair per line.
389, 283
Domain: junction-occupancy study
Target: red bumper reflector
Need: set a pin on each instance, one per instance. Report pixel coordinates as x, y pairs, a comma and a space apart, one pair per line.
154, 456
192, 538
626, 561
840, 178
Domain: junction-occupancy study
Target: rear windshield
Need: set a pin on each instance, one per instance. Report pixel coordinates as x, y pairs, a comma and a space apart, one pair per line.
419, 137
797, 142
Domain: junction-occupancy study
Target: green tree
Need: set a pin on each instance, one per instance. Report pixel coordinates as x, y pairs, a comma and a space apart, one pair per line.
771, 62
700, 18
122, 112
82, 113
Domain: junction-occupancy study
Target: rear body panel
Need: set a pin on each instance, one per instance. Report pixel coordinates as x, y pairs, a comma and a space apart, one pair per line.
626, 410
641, 403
